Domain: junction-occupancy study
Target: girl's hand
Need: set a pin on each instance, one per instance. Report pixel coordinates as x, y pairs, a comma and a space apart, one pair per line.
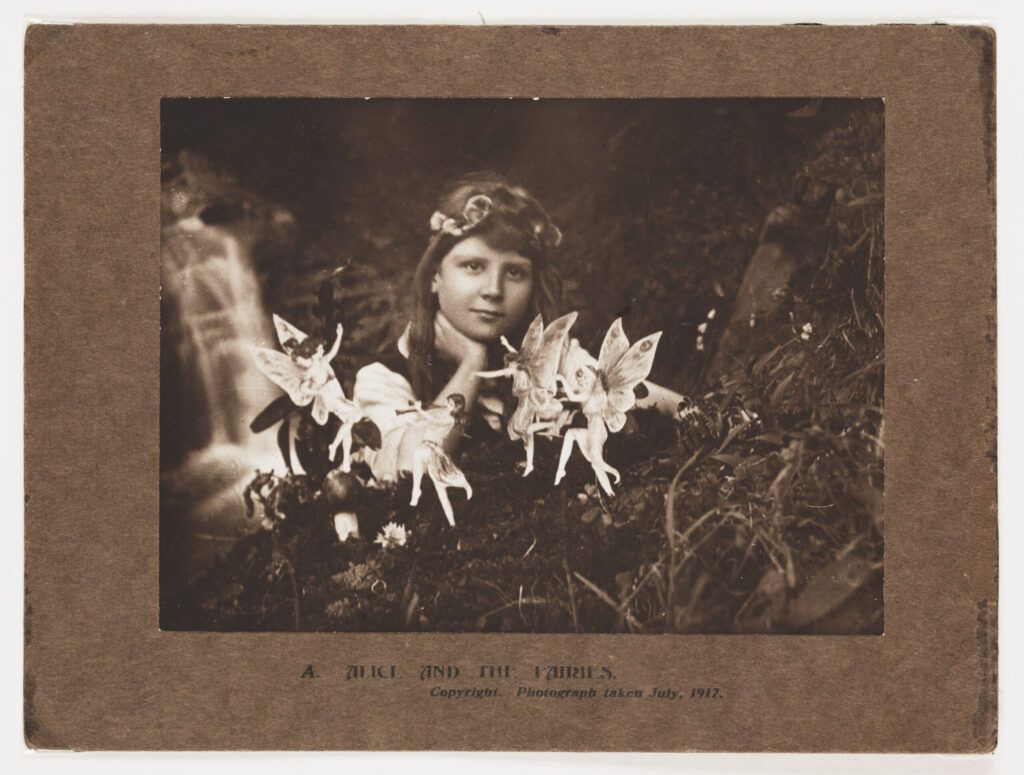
455, 346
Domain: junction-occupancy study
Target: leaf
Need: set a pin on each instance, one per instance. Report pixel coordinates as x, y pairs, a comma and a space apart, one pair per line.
760, 364
276, 410
283, 434
729, 460
590, 514
780, 389
827, 589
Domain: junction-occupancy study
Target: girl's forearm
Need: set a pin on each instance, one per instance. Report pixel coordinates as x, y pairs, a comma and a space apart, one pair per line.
664, 400
466, 383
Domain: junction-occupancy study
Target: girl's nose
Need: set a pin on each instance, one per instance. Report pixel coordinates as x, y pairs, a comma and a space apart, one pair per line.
494, 288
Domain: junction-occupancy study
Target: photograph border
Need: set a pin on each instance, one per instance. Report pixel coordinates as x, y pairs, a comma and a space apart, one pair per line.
100, 674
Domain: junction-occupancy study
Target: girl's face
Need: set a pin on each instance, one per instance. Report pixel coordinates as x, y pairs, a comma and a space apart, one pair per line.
483, 291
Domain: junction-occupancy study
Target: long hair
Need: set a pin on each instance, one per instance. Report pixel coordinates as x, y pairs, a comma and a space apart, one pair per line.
516, 222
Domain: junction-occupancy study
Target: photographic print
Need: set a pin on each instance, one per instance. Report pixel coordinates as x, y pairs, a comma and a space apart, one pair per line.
541, 388
529, 366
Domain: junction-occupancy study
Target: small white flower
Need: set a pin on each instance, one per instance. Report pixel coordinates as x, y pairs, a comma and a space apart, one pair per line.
703, 327
700, 343
805, 331
391, 535
753, 320
711, 315
437, 220
345, 525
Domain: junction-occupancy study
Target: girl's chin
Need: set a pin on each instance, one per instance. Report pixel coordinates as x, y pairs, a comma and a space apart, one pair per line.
484, 332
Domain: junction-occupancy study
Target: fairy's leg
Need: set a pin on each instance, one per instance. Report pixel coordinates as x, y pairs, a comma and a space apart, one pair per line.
570, 439
333, 449
597, 434
528, 441
346, 447
602, 479
442, 495
418, 465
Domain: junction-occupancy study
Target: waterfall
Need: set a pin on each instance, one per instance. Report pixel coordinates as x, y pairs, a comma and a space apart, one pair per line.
221, 315
209, 284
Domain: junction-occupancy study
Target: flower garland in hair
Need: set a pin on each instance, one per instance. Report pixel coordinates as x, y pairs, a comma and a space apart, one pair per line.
476, 212
473, 214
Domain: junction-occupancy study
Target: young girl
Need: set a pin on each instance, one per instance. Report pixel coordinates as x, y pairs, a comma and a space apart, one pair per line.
486, 273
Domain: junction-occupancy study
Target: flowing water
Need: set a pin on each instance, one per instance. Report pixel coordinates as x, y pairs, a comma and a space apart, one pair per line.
207, 273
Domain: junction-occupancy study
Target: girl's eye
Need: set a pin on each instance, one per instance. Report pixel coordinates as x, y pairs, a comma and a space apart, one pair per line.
517, 272
474, 266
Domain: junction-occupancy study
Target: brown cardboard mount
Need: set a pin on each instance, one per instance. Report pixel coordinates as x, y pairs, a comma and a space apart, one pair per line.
99, 673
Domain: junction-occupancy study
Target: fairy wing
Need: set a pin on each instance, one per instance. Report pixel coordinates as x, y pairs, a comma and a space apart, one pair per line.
283, 372
624, 374
613, 347
532, 338
545, 362
286, 331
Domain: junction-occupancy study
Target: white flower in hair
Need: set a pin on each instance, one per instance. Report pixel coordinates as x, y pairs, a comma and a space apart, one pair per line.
473, 214
437, 220
476, 211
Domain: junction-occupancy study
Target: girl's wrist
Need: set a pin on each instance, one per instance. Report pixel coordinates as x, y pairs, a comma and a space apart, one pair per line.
473, 362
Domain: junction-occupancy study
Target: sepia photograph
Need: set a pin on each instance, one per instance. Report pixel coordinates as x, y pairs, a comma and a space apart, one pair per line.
633, 393
522, 365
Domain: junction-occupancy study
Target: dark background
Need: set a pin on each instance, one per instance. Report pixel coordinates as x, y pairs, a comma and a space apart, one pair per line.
661, 201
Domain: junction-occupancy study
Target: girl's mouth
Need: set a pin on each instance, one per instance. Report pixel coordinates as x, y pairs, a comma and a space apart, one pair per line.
487, 315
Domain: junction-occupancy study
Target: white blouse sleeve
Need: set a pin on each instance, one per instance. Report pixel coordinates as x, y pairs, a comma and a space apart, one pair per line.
381, 394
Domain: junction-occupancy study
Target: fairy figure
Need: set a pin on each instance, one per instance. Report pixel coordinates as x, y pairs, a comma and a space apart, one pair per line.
533, 370
304, 372
605, 390
422, 451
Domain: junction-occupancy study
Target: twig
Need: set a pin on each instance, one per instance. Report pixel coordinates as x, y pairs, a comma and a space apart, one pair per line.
864, 200
693, 549
607, 598
700, 521
879, 361
530, 549
572, 598
670, 532
410, 610
642, 584
527, 600
853, 303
